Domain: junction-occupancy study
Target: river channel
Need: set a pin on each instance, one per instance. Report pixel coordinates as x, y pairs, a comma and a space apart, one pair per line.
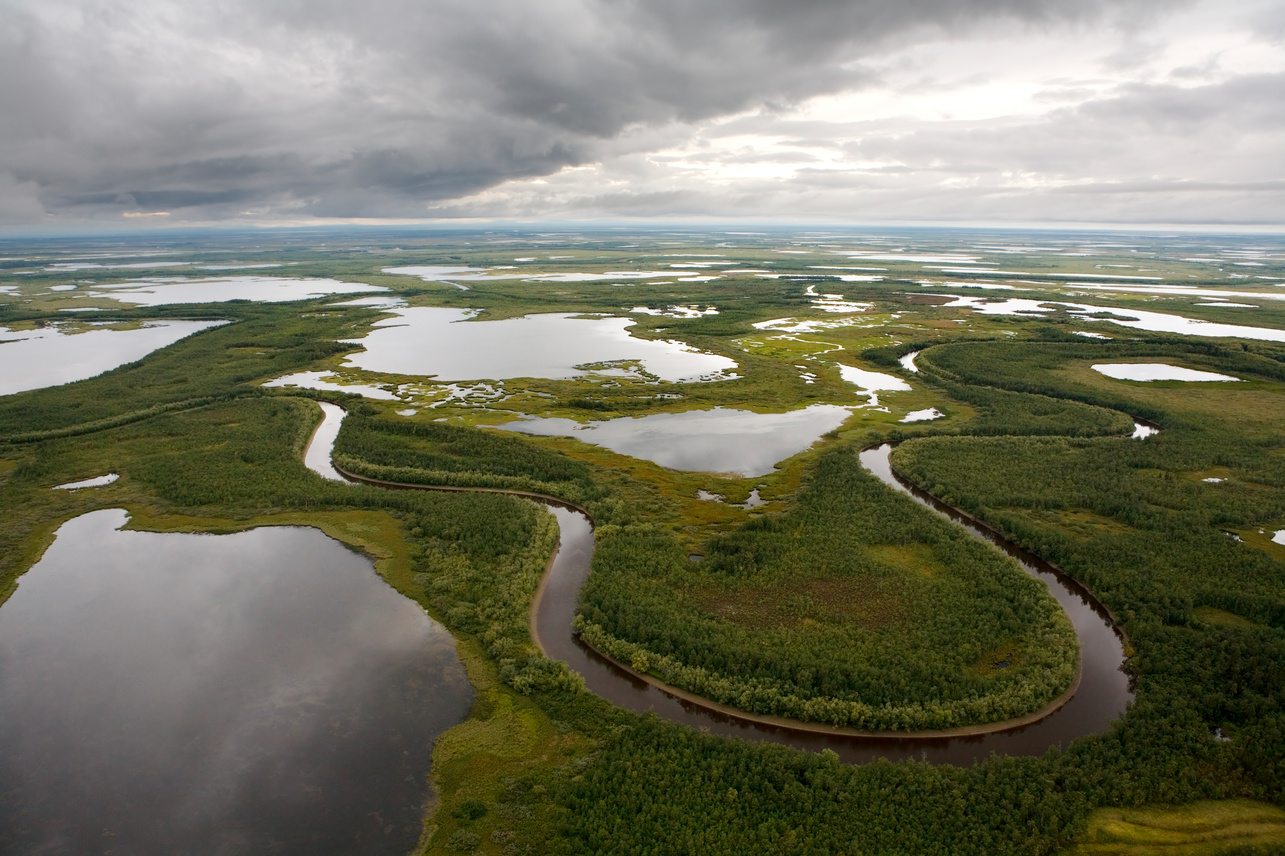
1102, 693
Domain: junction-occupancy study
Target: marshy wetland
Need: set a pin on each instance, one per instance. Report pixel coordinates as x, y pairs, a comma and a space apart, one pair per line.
649, 373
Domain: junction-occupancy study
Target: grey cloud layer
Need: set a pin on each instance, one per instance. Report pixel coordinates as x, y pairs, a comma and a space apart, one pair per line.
377, 107
1147, 153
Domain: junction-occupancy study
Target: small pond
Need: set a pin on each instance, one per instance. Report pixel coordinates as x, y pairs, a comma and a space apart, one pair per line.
715, 441
872, 383
318, 380
96, 481
439, 342
1156, 371
34, 359
258, 692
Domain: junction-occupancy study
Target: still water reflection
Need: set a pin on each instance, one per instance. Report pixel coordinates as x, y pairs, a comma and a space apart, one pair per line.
49, 356
715, 441
249, 693
424, 340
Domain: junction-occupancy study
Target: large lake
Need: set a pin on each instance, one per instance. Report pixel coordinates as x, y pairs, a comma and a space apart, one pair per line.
34, 359
163, 291
261, 692
444, 343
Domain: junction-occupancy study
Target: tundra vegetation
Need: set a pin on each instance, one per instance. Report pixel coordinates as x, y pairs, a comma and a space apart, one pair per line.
836, 601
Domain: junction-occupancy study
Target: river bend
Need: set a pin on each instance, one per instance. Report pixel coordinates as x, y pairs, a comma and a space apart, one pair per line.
1100, 696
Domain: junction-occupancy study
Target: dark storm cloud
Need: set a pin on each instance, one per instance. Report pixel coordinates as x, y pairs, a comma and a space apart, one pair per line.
377, 107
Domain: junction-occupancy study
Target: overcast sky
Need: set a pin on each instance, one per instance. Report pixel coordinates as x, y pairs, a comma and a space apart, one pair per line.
169, 112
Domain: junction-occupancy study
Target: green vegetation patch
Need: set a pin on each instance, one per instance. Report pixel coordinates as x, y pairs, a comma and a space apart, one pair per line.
855, 608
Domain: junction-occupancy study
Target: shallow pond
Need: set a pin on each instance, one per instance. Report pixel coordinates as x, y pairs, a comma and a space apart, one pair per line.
441, 342
1138, 319
162, 291
715, 441
439, 273
317, 380
96, 481
1156, 371
176, 693
34, 359
872, 383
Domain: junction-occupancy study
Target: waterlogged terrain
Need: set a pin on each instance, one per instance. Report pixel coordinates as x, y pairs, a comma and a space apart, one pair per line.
176, 693
1025, 378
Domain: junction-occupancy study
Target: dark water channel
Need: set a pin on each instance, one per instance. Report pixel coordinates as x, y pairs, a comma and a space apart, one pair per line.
261, 692
1101, 697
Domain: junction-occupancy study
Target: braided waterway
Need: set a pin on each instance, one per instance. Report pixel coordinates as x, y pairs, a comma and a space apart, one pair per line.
1099, 695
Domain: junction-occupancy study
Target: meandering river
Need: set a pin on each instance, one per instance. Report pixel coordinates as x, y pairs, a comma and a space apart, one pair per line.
1101, 695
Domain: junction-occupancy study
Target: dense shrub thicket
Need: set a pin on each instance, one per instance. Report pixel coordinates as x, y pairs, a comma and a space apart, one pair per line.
856, 608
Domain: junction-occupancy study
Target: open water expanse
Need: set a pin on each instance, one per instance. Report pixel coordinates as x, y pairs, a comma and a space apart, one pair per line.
261, 692
424, 340
54, 355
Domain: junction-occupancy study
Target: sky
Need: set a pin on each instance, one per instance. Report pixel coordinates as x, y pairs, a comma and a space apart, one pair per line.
164, 113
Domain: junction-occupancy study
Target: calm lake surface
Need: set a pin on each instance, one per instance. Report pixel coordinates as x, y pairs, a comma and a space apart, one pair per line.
714, 441
262, 692
163, 291
34, 359
432, 341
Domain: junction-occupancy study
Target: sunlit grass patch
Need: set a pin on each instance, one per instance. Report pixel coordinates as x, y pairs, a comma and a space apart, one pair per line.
1221, 617
914, 559
1210, 828
1261, 539
493, 773
1077, 522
